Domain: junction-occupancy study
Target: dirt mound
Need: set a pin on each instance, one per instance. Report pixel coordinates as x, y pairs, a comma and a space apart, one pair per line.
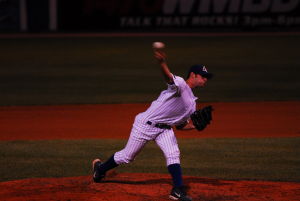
137, 186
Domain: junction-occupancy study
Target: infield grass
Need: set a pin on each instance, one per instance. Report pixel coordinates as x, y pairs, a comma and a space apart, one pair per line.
275, 159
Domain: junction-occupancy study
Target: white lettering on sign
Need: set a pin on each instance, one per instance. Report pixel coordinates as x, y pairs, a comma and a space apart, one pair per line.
135, 22
252, 6
185, 6
219, 6
228, 6
171, 21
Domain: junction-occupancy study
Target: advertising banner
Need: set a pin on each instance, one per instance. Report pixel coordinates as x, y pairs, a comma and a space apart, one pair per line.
179, 14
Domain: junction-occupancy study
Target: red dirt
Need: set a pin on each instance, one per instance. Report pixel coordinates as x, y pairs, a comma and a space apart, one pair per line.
145, 187
261, 119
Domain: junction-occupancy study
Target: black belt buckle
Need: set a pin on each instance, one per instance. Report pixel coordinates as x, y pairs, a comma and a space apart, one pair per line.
159, 125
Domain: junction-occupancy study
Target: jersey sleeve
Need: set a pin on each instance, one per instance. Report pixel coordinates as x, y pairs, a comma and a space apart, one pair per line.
179, 83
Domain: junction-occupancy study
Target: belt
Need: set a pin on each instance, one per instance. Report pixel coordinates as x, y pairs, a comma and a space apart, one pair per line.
159, 125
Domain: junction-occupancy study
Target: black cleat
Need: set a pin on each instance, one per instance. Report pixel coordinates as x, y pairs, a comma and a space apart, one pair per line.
178, 193
97, 176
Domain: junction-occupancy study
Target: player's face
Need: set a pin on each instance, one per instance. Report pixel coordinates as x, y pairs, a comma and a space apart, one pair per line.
200, 80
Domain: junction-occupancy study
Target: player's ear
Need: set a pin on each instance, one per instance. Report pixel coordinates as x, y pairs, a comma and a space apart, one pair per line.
191, 75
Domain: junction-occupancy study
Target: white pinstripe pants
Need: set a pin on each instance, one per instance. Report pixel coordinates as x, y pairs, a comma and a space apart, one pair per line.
165, 139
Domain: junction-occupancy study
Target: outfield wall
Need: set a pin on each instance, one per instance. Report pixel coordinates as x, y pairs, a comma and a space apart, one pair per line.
155, 15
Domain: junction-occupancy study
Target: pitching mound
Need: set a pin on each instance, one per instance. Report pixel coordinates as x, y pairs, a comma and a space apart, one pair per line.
144, 187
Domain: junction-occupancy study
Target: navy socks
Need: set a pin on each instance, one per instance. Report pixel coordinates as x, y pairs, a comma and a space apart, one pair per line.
109, 164
175, 171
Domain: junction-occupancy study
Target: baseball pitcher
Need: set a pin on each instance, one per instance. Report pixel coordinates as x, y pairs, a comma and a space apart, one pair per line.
174, 108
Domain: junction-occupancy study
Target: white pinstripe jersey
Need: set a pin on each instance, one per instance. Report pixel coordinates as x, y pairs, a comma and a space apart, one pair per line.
173, 106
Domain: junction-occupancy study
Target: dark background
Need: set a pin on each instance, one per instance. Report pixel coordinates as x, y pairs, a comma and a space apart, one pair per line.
145, 15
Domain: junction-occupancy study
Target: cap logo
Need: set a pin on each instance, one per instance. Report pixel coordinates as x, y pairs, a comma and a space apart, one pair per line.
204, 69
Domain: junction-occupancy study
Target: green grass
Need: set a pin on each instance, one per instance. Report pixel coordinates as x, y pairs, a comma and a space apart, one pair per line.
37, 71
275, 159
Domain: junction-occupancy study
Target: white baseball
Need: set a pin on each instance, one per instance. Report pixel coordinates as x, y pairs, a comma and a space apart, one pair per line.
158, 45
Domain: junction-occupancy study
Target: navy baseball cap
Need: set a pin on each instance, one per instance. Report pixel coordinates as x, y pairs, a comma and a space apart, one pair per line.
201, 70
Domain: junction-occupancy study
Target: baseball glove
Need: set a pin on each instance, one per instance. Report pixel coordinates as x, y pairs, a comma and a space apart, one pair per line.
202, 117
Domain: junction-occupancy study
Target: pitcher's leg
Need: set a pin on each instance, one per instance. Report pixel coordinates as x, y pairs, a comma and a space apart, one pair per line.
135, 144
168, 144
